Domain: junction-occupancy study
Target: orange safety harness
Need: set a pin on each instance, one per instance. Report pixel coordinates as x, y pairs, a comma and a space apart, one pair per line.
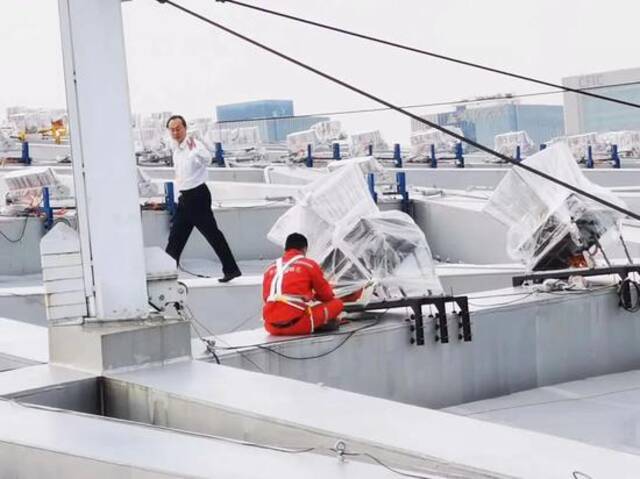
277, 296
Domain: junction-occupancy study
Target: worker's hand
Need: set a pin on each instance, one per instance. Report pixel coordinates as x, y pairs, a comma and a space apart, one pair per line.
191, 143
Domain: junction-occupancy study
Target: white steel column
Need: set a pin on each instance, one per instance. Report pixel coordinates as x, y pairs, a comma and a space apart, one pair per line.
104, 167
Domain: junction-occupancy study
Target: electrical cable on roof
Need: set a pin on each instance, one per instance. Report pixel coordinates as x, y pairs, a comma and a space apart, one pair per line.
20, 236
210, 345
580, 475
246, 443
422, 105
430, 54
347, 337
392, 106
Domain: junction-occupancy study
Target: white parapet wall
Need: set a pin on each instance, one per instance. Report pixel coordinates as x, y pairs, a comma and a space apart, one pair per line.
521, 340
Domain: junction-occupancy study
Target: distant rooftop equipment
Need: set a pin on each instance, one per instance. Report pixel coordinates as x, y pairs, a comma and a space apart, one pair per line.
421, 142
580, 144
7, 144
482, 122
320, 137
549, 226
234, 137
361, 143
515, 144
628, 142
23, 188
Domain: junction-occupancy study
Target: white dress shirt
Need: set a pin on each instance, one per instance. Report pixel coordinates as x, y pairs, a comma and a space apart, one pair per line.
190, 164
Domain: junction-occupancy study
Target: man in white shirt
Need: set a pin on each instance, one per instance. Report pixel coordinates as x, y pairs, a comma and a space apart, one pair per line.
190, 159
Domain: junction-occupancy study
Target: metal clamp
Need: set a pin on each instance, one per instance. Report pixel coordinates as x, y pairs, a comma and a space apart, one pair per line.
417, 317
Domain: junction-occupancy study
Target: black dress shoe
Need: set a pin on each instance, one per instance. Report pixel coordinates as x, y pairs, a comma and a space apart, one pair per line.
229, 276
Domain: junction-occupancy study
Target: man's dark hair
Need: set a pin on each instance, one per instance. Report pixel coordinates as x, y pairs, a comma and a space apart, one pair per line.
295, 241
177, 117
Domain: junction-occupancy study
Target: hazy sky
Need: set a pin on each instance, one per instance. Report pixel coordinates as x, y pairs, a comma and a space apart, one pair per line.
180, 64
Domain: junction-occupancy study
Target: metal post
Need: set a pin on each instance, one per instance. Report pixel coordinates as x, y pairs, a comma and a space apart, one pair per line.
26, 159
615, 156
397, 155
370, 148
336, 151
459, 155
309, 160
518, 154
434, 160
543, 146
219, 154
401, 181
104, 164
46, 207
371, 181
169, 198
589, 156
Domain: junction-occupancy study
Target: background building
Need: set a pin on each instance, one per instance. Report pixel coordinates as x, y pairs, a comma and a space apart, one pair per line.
483, 123
585, 115
254, 113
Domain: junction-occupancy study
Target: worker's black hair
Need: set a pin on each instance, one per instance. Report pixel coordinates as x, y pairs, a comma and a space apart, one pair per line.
177, 117
296, 241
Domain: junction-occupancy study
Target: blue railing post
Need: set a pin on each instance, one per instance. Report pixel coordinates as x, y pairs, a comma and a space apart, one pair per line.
397, 155
589, 156
25, 158
401, 180
46, 207
615, 156
434, 160
336, 151
371, 181
309, 159
169, 198
543, 146
518, 153
370, 149
219, 154
459, 155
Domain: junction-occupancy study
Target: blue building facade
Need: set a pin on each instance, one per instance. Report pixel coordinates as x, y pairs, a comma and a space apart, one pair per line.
483, 123
266, 115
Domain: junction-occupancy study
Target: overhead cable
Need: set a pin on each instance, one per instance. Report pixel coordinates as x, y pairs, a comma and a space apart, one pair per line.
419, 119
486, 99
431, 54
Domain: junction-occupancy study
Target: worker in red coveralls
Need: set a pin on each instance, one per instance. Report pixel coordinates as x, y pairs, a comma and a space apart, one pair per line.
297, 298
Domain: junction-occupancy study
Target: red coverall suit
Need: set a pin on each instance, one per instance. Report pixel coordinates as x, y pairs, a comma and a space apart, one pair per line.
290, 289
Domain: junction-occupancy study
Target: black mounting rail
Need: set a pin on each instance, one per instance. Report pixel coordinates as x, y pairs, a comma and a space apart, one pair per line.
622, 271
417, 318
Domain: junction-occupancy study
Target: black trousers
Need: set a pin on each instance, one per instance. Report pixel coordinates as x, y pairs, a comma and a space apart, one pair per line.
194, 209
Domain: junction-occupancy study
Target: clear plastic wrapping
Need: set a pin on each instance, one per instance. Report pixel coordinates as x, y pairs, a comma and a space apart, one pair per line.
360, 248
147, 188
549, 226
33, 121
24, 187
297, 142
422, 140
579, 144
6, 143
385, 253
360, 143
328, 132
234, 138
507, 143
150, 137
628, 142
